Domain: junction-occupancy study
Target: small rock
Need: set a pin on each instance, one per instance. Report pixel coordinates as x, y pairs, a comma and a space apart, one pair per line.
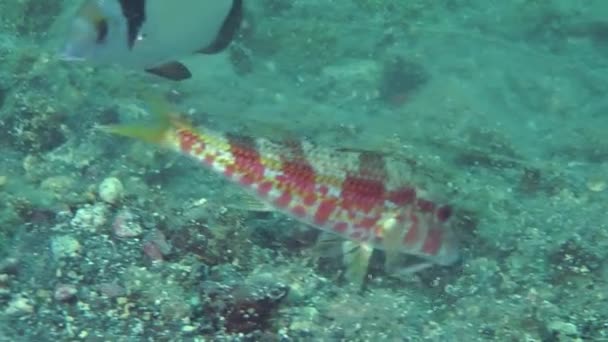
302, 325
596, 184
305, 319
5, 293
90, 217
188, 328
243, 308
112, 290
64, 246
31, 164
57, 184
19, 306
159, 238
9, 266
125, 225
111, 190
152, 251
563, 328
65, 292
156, 246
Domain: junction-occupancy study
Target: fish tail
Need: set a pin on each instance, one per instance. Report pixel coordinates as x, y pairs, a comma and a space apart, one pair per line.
149, 133
157, 131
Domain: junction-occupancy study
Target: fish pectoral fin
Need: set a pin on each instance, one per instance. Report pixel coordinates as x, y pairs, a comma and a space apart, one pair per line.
248, 202
174, 71
227, 31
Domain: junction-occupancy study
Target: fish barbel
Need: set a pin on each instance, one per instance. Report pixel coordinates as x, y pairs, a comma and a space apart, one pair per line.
361, 196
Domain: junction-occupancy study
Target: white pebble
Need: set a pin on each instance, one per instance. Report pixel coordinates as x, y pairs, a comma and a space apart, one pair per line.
564, 328
19, 306
64, 246
65, 292
90, 217
111, 190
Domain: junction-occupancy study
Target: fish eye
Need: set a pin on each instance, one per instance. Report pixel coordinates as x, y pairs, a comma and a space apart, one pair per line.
102, 30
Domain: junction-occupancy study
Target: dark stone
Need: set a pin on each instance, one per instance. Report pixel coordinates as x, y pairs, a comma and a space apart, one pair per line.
241, 308
400, 78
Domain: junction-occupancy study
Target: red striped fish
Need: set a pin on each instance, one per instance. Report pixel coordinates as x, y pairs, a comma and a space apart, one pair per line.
361, 196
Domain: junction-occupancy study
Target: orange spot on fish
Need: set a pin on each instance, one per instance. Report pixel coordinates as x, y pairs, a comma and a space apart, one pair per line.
309, 199
361, 193
229, 171
247, 159
247, 179
432, 243
299, 174
187, 139
209, 159
368, 222
340, 227
299, 211
412, 234
264, 188
323, 190
425, 206
283, 200
402, 196
324, 211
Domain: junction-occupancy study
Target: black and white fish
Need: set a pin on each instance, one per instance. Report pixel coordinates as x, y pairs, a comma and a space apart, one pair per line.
151, 34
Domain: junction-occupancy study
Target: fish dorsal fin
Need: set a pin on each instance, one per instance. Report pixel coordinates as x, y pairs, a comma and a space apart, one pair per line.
249, 202
174, 71
134, 12
227, 31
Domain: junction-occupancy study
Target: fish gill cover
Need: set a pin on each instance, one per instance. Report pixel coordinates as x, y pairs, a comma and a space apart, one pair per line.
495, 108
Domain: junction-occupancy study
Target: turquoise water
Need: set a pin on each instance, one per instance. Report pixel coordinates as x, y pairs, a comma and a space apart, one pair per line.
502, 103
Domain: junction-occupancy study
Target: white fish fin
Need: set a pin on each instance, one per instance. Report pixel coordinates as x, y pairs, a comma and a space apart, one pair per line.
392, 237
228, 30
356, 260
406, 272
174, 71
